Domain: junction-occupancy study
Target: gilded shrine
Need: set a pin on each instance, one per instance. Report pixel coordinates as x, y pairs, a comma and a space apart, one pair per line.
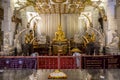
81, 23
59, 39
60, 43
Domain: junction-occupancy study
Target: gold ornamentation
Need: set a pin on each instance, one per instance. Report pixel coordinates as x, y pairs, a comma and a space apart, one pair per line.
59, 1
41, 5
89, 38
29, 37
59, 35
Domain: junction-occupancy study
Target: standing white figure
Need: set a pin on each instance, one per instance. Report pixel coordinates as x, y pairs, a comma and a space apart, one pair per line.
77, 55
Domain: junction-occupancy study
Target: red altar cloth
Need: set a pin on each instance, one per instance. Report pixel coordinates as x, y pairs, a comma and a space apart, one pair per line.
51, 62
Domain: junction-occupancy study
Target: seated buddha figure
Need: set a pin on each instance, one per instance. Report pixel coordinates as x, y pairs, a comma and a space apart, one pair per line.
59, 35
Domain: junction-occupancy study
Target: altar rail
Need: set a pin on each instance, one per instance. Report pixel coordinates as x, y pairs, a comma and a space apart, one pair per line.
60, 62
55, 62
101, 62
19, 62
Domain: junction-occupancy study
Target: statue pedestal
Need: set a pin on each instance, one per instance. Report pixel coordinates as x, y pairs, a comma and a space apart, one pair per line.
112, 51
60, 47
7, 50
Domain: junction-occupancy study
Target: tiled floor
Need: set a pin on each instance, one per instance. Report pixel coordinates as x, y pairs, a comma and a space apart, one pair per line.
113, 74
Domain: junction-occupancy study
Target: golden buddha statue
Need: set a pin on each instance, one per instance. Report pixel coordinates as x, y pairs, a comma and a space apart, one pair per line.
59, 35
29, 37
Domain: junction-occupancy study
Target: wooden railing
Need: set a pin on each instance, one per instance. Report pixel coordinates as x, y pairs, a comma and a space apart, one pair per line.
55, 62
60, 62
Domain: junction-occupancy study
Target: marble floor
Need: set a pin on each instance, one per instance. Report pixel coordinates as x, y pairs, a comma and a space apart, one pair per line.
95, 74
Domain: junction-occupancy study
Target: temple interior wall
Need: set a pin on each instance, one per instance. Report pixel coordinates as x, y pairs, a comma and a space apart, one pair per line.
70, 23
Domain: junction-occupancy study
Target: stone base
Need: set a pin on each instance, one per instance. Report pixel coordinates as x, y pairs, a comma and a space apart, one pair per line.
112, 51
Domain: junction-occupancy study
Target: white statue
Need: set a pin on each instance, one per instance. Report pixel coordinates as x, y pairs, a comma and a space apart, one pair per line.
42, 38
115, 41
6, 39
17, 44
114, 44
7, 48
6, 43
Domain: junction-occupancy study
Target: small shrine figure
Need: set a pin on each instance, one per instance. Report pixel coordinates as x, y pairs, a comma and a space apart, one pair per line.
59, 35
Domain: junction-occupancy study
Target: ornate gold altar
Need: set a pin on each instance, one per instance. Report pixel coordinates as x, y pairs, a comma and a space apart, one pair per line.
59, 35
60, 44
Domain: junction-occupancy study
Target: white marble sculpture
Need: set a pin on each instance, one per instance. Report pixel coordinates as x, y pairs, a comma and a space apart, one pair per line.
115, 41
42, 38
114, 44
7, 48
17, 44
6, 39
